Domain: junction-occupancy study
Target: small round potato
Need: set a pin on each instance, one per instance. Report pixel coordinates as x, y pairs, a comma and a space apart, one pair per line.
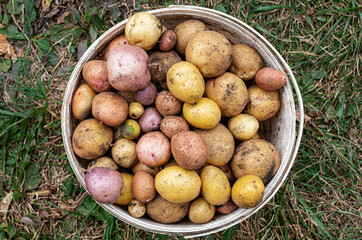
150, 120
130, 129
143, 30
136, 208
201, 211
105, 161
167, 104
262, 104
172, 125
243, 126
135, 110
141, 167
210, 52
124, 153
167, 40
247, 191
143, 187
82, 102
246, 61
96, 75
91, 139
116, 42
146, 96
270, 79
126, 195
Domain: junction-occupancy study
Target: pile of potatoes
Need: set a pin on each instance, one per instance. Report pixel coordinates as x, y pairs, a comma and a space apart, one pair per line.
169, 121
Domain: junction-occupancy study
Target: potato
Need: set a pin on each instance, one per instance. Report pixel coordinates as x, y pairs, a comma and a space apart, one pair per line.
227, 207
243, 126
126, 195
104, 184
143, 187
124, 153
172, 125
96, 75
170, 163
167, 40
82, 102
163, 211
130, 129
262, 104
215, 186
116, 42
106, 162
143, 30
117, 134
185, 82
201, 211
135, 110
127, 68
270, 79
229, 92
220, 144
141, 167
228, 172
189, 150
146, 96
256, 157
187, 30
204, 114
150, 120
91, 139
153, 149
178, 185
110, 108
160, 63
136, 208
246, 61
247, 191
167, 104
128, 96
210, 52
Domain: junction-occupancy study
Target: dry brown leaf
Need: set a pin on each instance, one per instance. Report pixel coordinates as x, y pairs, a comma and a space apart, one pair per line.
60, 19
6, 48
309, 41
5, 203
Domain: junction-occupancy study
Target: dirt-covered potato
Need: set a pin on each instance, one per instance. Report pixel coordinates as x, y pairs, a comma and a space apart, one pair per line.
153, 149
150, 120
167, 104
201, 211
96, 75
146, 96
215, 186
116, 42
178, 185
246, 61
110, 108
143, 30
82, 102
104, 184
243, 126
143, 187
167, 40
91, 139
187, 30
105, 161
262, 104
128, 96
163, 211
228, 172
141, 167
256, 157
270, 79
229, 92
185, 82
227, 207
135, 110
204, 114
160, 63
136, 208
247, 191
189, 150
210, 52
172, 125
126, 195
124, 153
220, 144
130, 129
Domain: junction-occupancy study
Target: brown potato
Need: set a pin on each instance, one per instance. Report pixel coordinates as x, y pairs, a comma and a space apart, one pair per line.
262, 104
210, 52
220, 144
246, 61
167, 40
96, 75
110, 108
172, 125
189, 150
141, 167
128, 96
82, 102
256, 157
270, 79
167, 104
143, 187
228, 172
187, 30
229, 92
163, 211
116, 42
91, 139
124, 153
227, 207
105, 161
201, 211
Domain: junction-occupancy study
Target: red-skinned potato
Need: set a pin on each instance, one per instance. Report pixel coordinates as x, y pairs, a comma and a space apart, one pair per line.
150, 120
146, 96
167, 40
143, 187
227, 207
82, 102
141, 167
96, 75
270, 79
171, 125
116, 42
127, 68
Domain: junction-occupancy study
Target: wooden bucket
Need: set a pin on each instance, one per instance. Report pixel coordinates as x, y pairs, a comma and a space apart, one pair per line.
280, 130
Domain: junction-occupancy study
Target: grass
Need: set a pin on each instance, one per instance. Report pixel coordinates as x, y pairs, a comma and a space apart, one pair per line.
320, 40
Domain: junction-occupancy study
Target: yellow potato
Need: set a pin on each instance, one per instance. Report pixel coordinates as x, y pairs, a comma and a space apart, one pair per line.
82, 102
201, 211
247, 191
204, 114
135, 110
126, 195
178, 185
105, 161
243, 126
136, 208
124, 153
185, 82
215, 186
130, 129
